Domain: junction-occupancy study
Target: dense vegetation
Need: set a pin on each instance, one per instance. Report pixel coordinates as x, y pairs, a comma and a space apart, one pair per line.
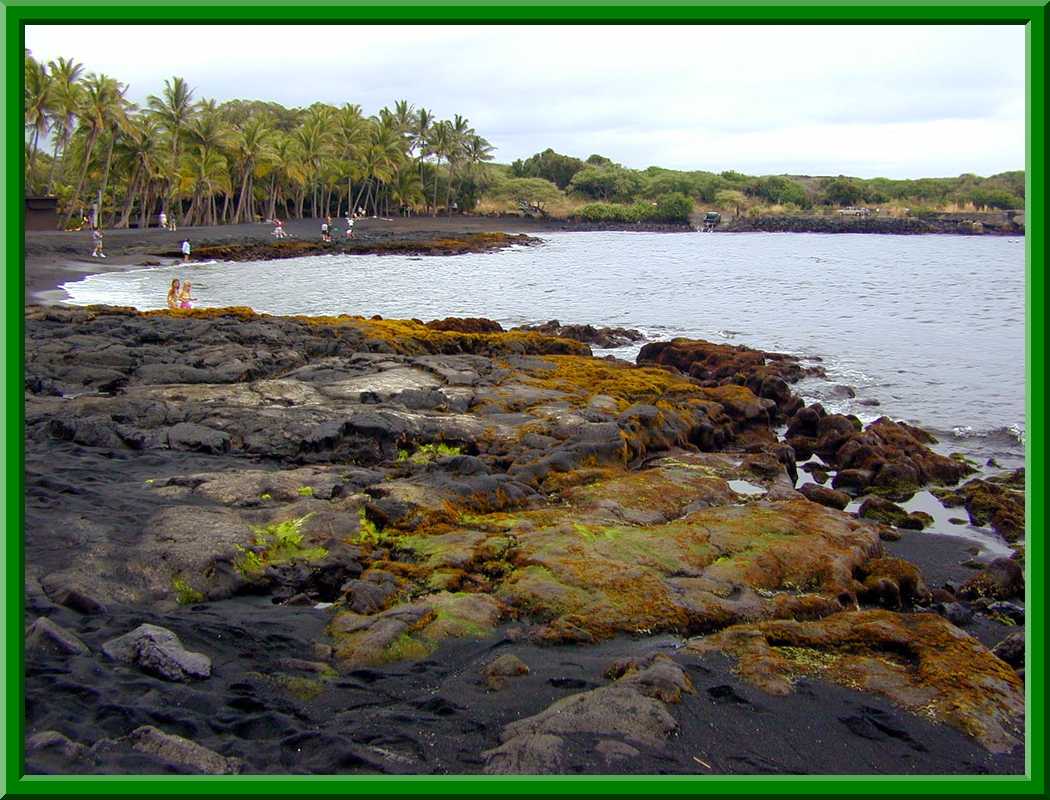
206, 162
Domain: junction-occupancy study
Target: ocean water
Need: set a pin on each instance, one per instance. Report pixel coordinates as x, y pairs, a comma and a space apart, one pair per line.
929, 328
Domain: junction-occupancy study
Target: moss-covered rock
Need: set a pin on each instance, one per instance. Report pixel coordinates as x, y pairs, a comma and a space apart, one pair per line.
919, 661
997, 502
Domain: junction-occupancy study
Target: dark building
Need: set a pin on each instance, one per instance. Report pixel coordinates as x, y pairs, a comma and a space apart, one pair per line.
41, 214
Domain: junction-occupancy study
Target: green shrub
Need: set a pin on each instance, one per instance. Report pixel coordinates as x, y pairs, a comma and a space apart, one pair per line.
429, 452
369, 532
276, 543
673, 207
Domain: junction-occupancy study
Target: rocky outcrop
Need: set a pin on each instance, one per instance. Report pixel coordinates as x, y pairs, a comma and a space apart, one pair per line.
998, 502
887, 458
419, 487
767, 376
627, 714
447, 245
605, 337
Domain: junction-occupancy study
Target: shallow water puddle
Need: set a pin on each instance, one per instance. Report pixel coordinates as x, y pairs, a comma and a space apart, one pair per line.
746, 488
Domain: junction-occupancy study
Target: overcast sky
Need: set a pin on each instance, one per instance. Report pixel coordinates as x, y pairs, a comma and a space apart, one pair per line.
896, 101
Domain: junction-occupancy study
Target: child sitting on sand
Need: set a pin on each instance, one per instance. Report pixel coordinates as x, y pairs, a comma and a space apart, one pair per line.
184, 295
173, 294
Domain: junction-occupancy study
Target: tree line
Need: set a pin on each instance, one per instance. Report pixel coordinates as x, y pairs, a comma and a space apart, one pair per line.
206, 163
600, 179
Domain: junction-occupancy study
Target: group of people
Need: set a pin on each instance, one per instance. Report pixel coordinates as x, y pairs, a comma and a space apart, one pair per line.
327, 228
166, 223
179, 295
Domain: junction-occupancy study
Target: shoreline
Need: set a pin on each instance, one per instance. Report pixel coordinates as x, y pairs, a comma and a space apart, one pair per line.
56, 257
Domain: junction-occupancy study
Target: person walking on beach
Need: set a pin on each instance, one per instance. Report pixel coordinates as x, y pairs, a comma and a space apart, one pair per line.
185, 250
163, 219
325, 228
184, 295
173, 294
96, 236
349, 226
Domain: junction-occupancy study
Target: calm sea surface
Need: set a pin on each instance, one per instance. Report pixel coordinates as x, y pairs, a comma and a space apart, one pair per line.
930, 327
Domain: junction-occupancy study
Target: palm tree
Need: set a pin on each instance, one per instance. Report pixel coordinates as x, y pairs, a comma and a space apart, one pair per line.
38, 99
353, 135
101, 98
459, 131
252, 151
66, 77
139, 155
287, 171
407, 189
441, 144
174, 110
204, 174
421, 136
476, 151
314, 138
116, 123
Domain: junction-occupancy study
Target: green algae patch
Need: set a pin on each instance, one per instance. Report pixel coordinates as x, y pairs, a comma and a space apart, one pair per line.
921, 662
276, 543
428, 453
412, 631
185, 595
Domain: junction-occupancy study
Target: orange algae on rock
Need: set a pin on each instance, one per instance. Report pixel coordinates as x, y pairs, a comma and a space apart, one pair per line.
920, 661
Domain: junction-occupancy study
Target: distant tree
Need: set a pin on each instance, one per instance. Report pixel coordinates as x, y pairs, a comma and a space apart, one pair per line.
611, 182
842, 191
552, 166
673, 207
996, 198
596, 160
777, 189
731, 198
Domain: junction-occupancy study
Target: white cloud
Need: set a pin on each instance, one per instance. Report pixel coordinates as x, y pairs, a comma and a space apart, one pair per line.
894, 100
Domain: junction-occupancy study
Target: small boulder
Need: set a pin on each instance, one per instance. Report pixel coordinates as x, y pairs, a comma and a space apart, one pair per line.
47, 636
158, 651
506, 666
824, 495
1001, 580
55, 742
182, 752
1011, 649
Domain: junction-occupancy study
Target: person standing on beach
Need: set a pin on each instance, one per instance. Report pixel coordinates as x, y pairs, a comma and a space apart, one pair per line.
349, 227
163, 219
185, 250
96, 236
173, 294
324, 230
